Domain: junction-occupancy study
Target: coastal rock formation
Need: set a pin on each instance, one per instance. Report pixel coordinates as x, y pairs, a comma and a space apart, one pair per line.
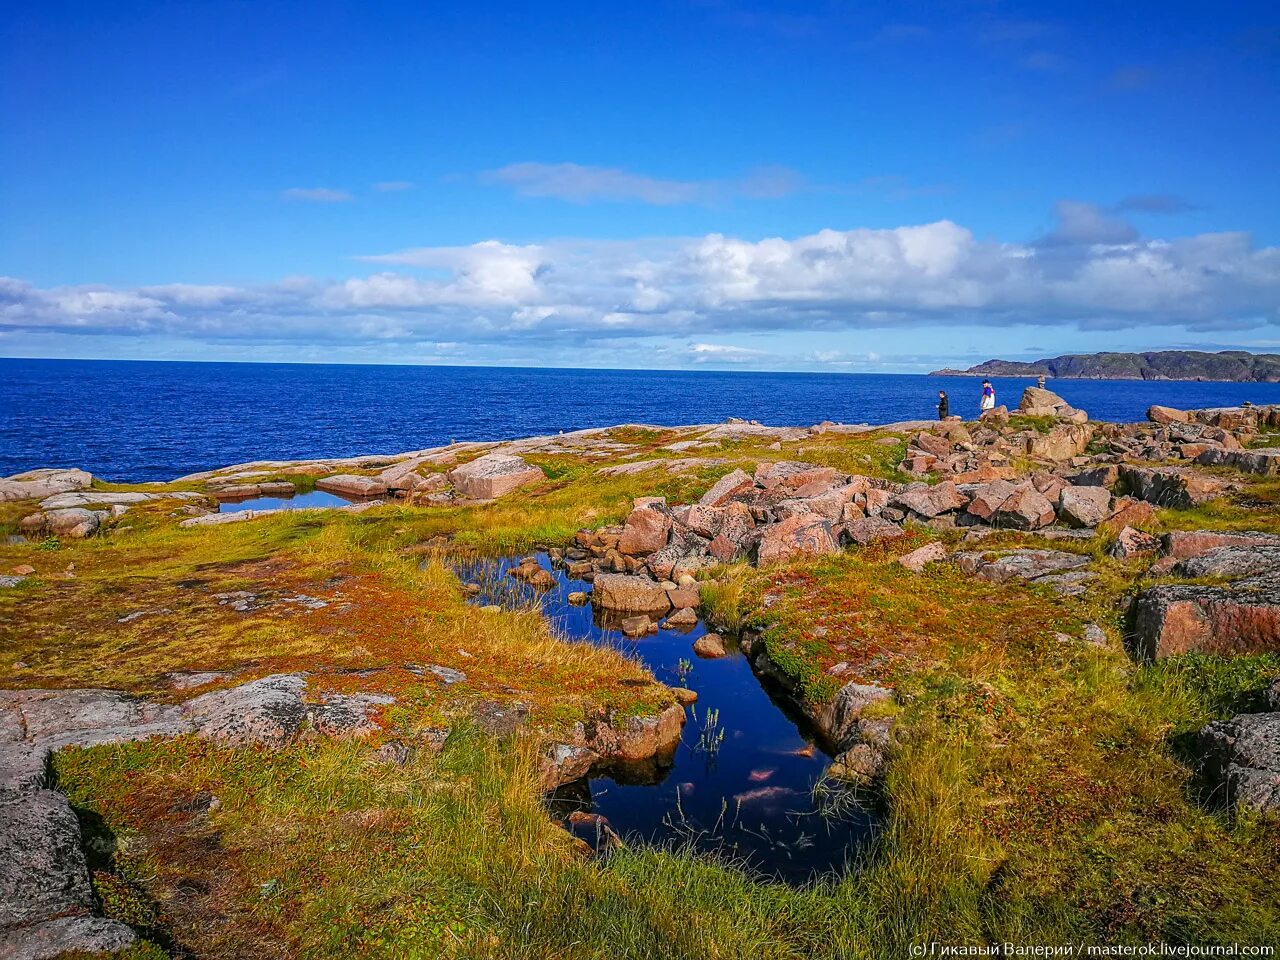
37, 484
352, 485
1227, 365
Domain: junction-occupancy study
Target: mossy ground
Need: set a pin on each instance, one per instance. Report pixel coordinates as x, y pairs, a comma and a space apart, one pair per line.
1039, 792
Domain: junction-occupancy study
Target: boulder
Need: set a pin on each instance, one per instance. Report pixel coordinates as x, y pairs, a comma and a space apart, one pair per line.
630, 594
988, 498
1022, 564
871, 530
74, 523
1166, 415
1037, 401
726, 488
1105, 475
645, 531
352, 485
707, 521
681, 619
1131, 542
803, 534
838, 719
932, 444
998, 416
917, 560
709, 646
1062, 442
1234, 562
1172, 619
636, 626
1170, 486
793, 475
1025, 509
493, 475
930, 501
1128, 512
1084, 506
1264, 461
1184, 544
1241, 760
46, 902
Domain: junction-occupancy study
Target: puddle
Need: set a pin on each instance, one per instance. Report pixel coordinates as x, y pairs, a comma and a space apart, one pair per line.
750, 796
316, 498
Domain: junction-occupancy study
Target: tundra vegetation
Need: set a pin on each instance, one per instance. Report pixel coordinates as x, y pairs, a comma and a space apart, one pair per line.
1043, 781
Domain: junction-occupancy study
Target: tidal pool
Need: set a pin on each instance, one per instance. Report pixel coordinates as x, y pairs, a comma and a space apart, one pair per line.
744, 780
316, 498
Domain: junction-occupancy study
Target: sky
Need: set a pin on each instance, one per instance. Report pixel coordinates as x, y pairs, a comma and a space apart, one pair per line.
826, 186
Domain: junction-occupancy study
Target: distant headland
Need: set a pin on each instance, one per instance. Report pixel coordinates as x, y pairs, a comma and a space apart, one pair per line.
1229, 365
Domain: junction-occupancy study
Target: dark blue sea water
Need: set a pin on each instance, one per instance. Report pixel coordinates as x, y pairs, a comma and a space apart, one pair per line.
141, 420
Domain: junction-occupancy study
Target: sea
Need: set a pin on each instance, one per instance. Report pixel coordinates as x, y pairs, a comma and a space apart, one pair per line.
134, 421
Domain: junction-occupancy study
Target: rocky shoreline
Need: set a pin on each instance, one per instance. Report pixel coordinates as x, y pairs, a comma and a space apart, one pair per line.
1044, 470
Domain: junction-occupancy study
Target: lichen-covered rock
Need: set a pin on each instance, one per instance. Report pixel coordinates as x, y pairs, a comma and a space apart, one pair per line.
1241, 758
726, 488
1184, 544
645, 531
918, 559
930, 501
803, 534
74, 523
493, 475
1131, 542
1025, 509
1021, 564
1084, 506
1171, 486
1172, 619
1166, 415
38, 484
869, 530
1264, 461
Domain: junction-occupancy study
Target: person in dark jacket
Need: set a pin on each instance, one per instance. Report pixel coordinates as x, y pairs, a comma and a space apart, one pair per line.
944, 407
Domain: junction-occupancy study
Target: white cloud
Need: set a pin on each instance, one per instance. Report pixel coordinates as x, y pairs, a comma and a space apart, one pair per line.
393, 186
317, 195
1092, 274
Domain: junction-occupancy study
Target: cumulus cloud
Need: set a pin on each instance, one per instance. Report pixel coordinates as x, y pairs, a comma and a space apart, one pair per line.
578, 183
317, 195
1092, 272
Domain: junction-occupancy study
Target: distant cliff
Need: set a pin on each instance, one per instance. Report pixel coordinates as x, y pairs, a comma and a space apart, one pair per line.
1229, 365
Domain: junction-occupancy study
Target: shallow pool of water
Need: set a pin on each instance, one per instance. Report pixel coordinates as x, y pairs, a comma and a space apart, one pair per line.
316, 498
749, 797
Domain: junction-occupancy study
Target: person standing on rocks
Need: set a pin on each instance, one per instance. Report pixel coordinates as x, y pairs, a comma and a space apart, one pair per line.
988, 396
944, 406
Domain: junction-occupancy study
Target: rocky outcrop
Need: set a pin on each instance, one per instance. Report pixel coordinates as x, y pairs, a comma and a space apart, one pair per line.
808, 533
1244, 617
47, 906
608, 740
1062, 571
630, 594
494, 475
75, 523
38, 484
1185, 544
1264, 461
1171, 486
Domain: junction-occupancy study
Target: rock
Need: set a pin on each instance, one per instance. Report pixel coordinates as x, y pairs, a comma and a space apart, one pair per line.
645, 531
917, 560
685, 597
1084, 506
1062, 442
988, 498
871, 530
803, 534
929, 501
709, 646
839, 719
1131, 542
1171, 486
681, 619
1234, 562
493, 475
565, 763
1184, 544
636, 626
726, 488
577, 598
1159, 414
684, 696
630, 594
1241, 758
23, 570
860, 765
8, 583
38, 484
1172, 619
1264, 461
72, 522
932, 444
1022, 564
1025, 509
46, 901
352, 485
1128, 513
1106, 475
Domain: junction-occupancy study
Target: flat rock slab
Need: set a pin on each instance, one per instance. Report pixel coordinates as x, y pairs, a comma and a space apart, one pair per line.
493, 475
1241, 757
38, 484
1021, 564
352, 485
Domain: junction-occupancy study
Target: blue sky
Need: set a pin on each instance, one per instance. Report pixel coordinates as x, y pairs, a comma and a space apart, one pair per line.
829, 186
